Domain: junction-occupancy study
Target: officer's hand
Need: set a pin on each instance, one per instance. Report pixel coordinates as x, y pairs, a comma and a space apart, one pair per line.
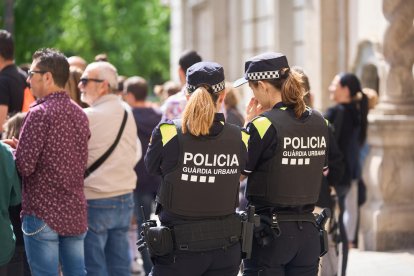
251, 109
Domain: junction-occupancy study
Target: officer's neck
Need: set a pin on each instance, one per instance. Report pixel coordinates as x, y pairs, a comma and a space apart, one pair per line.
276, 98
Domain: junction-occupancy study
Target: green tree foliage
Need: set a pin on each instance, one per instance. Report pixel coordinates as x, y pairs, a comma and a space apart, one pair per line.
134, 34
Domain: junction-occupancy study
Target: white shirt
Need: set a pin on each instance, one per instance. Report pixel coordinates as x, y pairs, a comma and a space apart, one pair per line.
174, 106
116, 176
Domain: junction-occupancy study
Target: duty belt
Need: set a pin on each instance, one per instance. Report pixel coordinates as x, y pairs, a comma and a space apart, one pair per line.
274, 218
208, 234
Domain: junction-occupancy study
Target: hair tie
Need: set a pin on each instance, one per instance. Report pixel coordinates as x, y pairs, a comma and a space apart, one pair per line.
358, 97
284, 73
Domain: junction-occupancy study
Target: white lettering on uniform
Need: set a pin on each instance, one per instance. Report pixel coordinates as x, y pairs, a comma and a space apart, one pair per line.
206, 163
301, 147
187, 157
304, 142
201, 157
234, 161
198, 163
295, 142
323, 142
221, 164
286, 141
312, 143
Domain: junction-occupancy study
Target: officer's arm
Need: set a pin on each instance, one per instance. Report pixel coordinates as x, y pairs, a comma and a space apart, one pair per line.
162, 154
262, 134
153, 157
244, 151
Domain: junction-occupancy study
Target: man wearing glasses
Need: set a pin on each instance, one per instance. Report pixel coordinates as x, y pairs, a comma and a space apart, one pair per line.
51, 157
108, 188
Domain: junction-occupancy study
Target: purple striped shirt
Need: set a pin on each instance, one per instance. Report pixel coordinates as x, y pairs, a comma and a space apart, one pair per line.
51, 158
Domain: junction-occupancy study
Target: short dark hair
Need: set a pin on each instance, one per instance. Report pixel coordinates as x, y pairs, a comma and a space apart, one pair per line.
188, 59
137, 86
6, 45
53, 61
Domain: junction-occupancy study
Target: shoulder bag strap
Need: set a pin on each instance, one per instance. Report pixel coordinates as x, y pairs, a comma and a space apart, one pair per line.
102, 159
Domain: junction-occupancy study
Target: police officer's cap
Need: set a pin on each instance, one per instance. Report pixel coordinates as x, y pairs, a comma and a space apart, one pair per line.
263, 67
205, 73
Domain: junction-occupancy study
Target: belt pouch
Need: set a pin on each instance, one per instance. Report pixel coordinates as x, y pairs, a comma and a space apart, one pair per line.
159, 241
323, 237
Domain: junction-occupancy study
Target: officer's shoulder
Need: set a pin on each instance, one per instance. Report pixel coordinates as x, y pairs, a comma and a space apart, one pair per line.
262, 124
168, 130
319, 114
260, 120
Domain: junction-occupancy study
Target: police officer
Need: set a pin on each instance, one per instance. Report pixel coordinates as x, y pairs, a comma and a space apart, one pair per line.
200, 159
287, 151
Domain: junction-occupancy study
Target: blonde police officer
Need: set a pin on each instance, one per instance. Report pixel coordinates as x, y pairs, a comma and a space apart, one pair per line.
200, 159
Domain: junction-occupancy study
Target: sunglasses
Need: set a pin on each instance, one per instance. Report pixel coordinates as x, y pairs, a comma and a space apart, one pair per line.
84, 81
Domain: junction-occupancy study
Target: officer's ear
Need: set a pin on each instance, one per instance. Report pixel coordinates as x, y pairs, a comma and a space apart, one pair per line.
262, 85
221, 98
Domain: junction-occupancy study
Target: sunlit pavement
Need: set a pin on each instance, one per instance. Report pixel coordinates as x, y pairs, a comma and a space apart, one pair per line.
370, 263
394, 263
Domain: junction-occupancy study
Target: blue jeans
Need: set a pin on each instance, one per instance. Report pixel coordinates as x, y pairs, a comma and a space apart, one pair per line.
106, 242
44, 249
147, 201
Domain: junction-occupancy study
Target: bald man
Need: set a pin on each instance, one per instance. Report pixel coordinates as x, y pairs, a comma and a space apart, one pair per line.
77, 62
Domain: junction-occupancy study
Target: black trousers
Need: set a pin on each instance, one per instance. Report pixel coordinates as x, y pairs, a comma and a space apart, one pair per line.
295, 252
219, 262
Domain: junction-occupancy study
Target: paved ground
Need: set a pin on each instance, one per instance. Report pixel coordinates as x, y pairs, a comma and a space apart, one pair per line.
368, 263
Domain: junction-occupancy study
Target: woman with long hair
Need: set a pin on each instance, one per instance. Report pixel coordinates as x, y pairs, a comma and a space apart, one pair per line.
200, 159
349, 118
286, 158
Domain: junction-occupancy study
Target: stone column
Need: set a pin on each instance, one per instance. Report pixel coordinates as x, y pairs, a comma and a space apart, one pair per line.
387, 218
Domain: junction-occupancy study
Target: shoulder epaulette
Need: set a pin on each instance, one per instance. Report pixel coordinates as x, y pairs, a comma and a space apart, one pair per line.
262, 124
245, 138
168, 131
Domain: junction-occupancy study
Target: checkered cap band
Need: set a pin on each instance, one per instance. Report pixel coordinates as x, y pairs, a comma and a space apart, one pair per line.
263, 75
216, 88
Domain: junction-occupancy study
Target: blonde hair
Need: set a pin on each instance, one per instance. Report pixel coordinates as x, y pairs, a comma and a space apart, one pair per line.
293, 91
198, 115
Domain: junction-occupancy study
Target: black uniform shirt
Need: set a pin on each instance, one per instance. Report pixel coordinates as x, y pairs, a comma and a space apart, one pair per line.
263, 148
161, 159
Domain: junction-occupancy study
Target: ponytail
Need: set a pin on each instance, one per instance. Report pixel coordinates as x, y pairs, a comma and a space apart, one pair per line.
198, 115
361, 102
292, 88
293, 91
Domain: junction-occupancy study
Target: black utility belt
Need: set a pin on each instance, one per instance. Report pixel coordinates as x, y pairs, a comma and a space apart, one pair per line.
268, 221
306, 217
198, 236
207, 234
273, 219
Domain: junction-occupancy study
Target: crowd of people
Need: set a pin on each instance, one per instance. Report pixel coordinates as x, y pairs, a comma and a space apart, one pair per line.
86, 158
